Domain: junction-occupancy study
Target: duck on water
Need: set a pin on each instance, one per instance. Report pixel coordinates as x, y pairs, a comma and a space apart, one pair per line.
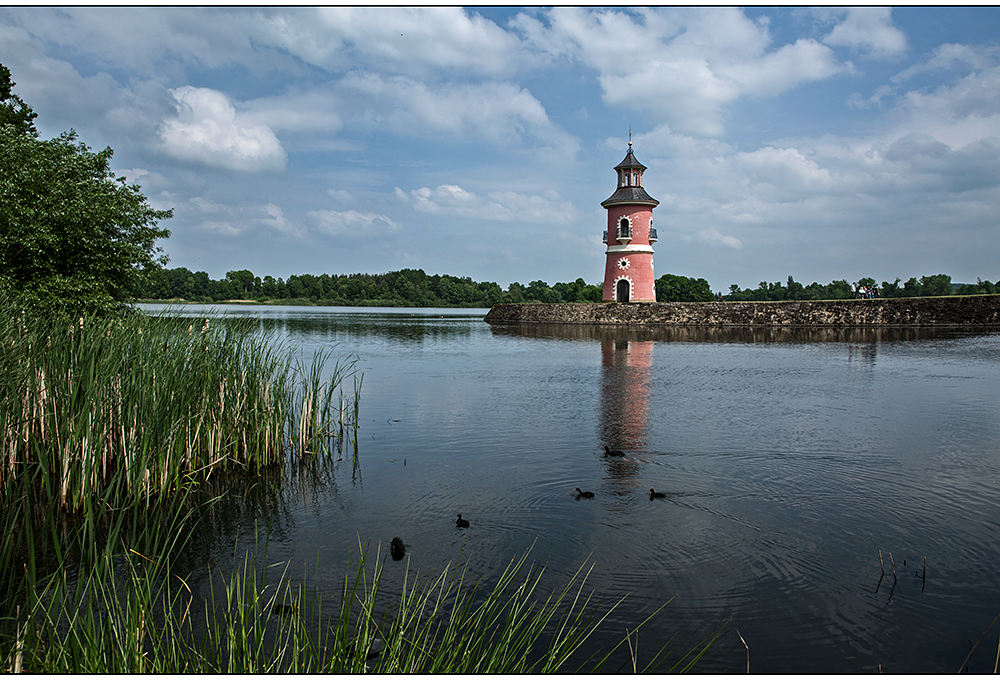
397, 549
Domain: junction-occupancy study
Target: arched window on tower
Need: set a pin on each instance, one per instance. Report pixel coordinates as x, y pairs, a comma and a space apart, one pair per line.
624, 228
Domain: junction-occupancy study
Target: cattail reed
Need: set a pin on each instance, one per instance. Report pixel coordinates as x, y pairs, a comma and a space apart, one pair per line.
153, 400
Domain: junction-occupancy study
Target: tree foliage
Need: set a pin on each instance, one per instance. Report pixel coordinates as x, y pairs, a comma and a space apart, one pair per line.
404, 288
925, 286
13, 111
673, 288
73, 237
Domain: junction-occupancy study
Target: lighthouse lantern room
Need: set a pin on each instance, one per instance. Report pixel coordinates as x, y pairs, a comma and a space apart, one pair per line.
628, 273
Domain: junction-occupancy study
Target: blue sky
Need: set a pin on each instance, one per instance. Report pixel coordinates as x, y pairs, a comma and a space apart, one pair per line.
824, 144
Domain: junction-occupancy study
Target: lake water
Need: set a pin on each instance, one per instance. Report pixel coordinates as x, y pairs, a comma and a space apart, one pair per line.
788, 460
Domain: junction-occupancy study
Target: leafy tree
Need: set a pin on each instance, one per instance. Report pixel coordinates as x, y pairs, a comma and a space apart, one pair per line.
515, 293
891, 289
674, 288
491, 293
795, 290
838, 290
835, 290
13, 111
244, 282
980, 287
540, 291
938, 284
73, 237
912, 288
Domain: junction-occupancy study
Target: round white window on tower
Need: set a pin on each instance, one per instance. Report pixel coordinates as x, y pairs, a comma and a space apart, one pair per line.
623, 263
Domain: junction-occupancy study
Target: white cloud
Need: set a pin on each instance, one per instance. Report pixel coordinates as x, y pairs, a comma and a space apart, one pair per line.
274, 219
229, 219
340, 195
223, 228
132, 175
205, 206
402, 40
504, 206
801, 62
958, 113
882, 92
353, 223
315, 110
208, 131
870, 30
786, 169
683, 67
949, 56
499, 113
714, 237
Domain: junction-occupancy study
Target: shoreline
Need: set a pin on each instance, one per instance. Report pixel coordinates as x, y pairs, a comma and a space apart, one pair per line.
974, 311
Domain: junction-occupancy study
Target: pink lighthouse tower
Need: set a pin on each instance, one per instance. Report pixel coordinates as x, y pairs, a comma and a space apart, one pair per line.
628, 274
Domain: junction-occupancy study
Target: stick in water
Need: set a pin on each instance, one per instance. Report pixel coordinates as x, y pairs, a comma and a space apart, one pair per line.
748, 649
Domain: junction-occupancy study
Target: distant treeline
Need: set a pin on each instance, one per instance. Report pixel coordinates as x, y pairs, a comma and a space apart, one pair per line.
925, 286
414, 288
405, 288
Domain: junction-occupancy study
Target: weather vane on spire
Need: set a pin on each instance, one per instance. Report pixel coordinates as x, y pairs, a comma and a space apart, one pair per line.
630, 136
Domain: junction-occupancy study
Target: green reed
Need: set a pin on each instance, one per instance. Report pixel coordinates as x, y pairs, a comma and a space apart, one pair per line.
107, 424
130, 613
161, 401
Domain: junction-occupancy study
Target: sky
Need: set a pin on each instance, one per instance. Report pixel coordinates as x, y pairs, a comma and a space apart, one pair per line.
822, 144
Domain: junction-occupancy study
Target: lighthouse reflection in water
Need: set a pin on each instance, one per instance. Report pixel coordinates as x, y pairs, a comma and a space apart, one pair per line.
624, 410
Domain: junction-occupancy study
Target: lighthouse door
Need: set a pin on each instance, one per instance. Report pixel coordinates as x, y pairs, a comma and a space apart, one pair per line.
622, 291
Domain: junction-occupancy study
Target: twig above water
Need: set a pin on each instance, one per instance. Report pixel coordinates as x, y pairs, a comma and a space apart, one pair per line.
748, 649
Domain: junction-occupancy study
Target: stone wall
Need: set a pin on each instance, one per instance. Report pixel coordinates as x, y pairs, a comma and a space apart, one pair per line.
976, 311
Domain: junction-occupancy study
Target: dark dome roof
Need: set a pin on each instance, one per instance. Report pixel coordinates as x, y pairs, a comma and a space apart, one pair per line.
629, 162
630, 195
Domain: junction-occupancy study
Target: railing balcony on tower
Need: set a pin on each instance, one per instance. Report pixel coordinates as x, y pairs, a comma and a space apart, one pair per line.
605, 236
652, 234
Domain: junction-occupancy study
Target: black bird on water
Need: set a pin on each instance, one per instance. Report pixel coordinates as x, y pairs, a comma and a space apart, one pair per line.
609, 452
397, 549
656, 494
461, 522
584, 494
